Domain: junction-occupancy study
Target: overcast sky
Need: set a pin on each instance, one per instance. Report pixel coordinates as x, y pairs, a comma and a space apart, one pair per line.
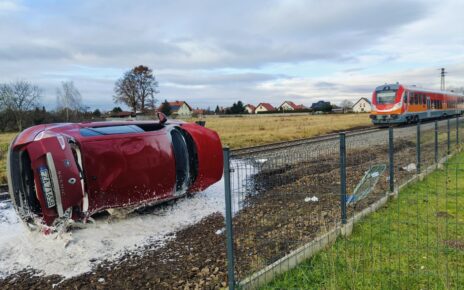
217, 52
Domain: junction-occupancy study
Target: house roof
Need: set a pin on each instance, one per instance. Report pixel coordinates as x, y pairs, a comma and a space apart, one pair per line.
293, 105
365, 99
199, 111
252, 108
175, 106
268, 106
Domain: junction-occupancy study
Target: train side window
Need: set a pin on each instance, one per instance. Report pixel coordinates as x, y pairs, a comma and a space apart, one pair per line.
424, 100
416, 99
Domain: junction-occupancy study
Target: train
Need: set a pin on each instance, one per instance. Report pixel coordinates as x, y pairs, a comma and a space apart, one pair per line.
401, 104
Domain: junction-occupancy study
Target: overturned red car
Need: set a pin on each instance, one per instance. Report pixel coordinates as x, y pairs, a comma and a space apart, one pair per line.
73, 170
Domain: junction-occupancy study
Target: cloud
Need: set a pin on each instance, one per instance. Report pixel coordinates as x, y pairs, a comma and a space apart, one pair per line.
208, 35
7, 6
213, 52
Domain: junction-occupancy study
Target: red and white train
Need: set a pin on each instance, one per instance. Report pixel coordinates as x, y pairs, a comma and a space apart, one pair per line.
397, 104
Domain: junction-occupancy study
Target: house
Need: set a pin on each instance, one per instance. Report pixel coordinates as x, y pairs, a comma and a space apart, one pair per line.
199, 111
337, 110
290, 106
121, 115
321, 106
362, 105
181, 109
250, 108
264, 107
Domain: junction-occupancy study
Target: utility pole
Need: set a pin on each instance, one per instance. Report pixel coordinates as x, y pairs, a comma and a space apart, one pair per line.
442, 84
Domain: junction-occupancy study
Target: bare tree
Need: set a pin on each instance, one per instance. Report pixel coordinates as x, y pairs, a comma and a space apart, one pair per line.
68, 98
346, 105
137, 88
19, 97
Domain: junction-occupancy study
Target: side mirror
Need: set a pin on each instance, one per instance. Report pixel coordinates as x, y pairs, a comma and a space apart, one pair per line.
161, 117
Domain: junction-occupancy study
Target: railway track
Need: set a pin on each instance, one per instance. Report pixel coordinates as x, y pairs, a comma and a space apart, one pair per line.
288, 144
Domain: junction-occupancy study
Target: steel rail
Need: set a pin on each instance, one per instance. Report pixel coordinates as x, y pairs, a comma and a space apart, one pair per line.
298, 142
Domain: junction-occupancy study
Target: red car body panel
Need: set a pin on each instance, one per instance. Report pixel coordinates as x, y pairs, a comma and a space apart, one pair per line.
86, 171
127, 170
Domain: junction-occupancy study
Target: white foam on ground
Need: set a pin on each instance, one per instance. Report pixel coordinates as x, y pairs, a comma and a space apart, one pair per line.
20, 248
76, 252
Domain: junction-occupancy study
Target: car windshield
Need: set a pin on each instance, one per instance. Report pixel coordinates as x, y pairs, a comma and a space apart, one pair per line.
386, 97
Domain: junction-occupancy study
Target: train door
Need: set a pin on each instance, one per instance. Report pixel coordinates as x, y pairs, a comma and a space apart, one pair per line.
406, 101
429, 107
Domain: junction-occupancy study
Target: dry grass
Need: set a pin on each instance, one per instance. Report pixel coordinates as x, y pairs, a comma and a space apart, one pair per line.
242, 132
5, 140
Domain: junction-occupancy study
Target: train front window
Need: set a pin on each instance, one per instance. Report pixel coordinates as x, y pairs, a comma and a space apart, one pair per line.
386, 97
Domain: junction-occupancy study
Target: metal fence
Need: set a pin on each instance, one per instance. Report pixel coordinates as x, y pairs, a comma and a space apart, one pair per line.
283, 206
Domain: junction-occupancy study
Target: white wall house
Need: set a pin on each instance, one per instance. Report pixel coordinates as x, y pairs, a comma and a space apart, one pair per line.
181, 109
264, 107
250, 108
289, 106
363, 105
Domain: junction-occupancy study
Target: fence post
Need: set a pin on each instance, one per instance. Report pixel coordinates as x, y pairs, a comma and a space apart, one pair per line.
229, 229
343, 177
448, 129
418, 147
457, 129
436, 141
390, 157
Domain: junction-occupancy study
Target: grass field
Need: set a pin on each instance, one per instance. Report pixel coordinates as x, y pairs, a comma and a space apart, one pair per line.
250, 131
5, 139
415, 242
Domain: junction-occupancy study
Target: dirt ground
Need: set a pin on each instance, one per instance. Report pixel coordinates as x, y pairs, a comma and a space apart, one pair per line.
274, 222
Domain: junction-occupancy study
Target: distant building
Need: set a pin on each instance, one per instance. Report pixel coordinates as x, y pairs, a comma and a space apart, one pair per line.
264, 107
121, 115
290, 106
250, 108
321, 106
181, 109
362, 105
199, 112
